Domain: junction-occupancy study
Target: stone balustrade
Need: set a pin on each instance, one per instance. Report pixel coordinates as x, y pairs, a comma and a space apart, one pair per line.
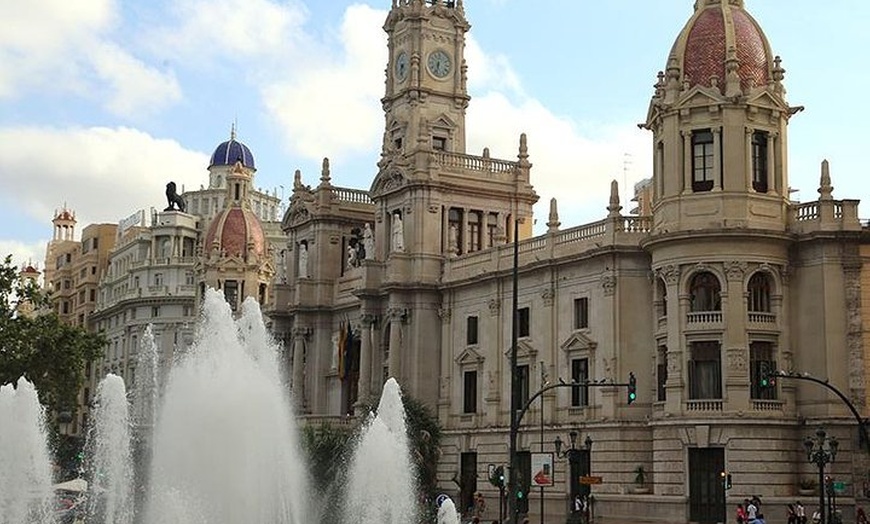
704, 405
480, 164
353, 196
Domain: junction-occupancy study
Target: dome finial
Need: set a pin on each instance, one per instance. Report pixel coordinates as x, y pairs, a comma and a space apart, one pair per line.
233, 130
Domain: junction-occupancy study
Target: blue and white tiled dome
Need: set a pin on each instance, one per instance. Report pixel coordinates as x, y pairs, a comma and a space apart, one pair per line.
227, 153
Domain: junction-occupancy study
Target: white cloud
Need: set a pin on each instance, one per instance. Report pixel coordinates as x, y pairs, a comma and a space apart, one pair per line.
331, 107
56, 45
104, 174
24, 253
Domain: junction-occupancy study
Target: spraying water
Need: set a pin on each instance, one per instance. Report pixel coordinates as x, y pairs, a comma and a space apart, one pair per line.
25, 467
381, 483
111, 500
224, 448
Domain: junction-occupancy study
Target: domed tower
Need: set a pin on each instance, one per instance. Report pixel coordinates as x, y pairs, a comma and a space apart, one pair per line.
235, 252
225, 156
719, 119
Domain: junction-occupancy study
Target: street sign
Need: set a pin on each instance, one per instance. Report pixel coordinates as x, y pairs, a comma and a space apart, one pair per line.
590, 480
441, 499
839, 487
542, 469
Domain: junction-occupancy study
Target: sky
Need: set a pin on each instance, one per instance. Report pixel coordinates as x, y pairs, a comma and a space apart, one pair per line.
102, 102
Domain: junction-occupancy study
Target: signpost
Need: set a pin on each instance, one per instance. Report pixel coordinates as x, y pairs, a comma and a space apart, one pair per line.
589, 480
542, 469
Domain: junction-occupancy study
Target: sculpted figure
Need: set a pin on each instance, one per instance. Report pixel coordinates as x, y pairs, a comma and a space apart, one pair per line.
398, 233
369, 241
173, 198
303, 260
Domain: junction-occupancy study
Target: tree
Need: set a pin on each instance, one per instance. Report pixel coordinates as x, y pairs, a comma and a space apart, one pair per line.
50, 354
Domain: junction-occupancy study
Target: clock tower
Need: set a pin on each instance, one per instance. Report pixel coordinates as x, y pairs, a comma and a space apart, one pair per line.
426, 96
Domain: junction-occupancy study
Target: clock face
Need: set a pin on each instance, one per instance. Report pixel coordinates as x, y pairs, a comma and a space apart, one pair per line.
402, 66
439, 63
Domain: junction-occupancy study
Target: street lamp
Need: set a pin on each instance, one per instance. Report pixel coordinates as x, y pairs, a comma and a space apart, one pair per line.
579, 463
821, 450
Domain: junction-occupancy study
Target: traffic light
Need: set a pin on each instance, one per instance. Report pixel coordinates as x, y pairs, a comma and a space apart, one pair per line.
726, 479
764, 372
520, 494
632, 388
497, 478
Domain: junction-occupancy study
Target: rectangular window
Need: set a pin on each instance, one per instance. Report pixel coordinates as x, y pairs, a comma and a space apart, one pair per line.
705, 371
661, 373
439, 143
579, 373
93, 295
581, 313
761, 363
474, 227
469, 392
759, 162
467, 478
491, 229
471, 331
155, 311
188, 278
702, 160
158, 279
231, 293
523, 322
523, 379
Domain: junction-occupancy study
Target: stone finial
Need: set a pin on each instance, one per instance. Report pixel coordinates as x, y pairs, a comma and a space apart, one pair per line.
553, 220
778, 75
297, 180
324, 173
614, 208
825, 187
732, 75
233, 131
485, 152
523, 155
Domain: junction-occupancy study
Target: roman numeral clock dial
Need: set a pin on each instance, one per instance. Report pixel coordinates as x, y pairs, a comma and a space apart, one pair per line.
439, 64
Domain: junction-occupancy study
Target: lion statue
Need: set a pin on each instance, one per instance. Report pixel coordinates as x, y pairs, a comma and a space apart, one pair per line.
173, 198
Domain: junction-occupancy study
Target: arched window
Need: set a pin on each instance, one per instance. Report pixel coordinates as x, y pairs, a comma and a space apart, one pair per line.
759, 293
662, 292
705, 292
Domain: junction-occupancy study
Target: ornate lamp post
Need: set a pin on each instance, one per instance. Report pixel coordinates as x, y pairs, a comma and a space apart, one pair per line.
821, 450
575, 468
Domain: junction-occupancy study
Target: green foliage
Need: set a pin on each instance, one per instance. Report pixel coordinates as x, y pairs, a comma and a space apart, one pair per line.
41, 348
328, 450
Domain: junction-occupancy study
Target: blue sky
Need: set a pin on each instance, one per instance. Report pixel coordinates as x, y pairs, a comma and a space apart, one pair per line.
104, 101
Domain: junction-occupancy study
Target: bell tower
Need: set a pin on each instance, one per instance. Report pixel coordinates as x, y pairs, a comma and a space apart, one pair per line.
426, 95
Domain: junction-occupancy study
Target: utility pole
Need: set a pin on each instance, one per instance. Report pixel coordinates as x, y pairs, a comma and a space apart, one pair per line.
514, 512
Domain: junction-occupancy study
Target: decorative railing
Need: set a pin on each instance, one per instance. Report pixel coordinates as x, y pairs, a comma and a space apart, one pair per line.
331, 420
762, 318
635, 224
580, 233
705, 317
806, 211
354, 196
704, 405
474, 163
767, 405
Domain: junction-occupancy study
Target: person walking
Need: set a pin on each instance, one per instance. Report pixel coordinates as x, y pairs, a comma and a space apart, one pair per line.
741, 514
800, 513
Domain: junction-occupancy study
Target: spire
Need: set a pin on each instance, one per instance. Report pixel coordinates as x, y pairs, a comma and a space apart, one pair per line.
825, 187
325, 179
553, 220
233, 130
523, 155
614, 208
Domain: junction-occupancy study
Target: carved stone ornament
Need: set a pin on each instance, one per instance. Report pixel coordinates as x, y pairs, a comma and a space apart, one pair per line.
494, 306
608, 282
299, 214
433, 208
670, 274
444, 313
398, 314
548, 295
389, 181
736, 270
737, 359
367, 320
300, 332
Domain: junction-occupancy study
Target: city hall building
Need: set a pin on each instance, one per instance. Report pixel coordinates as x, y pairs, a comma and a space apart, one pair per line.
716, 278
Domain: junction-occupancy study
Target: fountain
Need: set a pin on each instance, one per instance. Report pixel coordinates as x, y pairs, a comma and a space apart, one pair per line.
381, 483
110, 459
224, 446
221, 447
25, 466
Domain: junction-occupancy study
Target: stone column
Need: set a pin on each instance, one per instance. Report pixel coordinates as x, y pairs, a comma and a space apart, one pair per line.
773, 182
299, 336
717, 156
749, 163
687, 161
365, 357
396, 315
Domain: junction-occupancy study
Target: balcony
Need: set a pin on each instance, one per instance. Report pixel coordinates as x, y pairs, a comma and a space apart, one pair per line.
705, 405
767, 405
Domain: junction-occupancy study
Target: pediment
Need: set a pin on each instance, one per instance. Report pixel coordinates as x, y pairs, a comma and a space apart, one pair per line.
444, 121
297, 213
389, 179
578, 341
765, 98
469, 357
700, 96
525, 350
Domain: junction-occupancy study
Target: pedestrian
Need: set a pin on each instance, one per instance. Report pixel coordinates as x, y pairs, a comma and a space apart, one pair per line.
791, 514
817, 516
479, 505
741, 514
751, 512
800, 512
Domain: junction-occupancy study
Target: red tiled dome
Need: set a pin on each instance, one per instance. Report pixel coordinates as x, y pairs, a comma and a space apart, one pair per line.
703, 46
233, 229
